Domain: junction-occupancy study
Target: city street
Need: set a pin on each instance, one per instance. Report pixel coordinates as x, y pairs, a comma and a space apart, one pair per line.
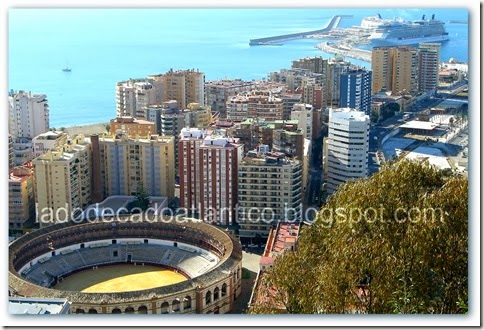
250, 262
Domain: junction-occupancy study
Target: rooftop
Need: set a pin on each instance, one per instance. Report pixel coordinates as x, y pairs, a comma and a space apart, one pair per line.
434, 156
227, 83
38, 306
216, 140
417, 124
148, 139
270, 159
348, 114
21, 173
285, 233
131, 120
50, 135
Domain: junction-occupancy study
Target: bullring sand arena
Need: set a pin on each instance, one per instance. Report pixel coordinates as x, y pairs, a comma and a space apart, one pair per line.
120, 278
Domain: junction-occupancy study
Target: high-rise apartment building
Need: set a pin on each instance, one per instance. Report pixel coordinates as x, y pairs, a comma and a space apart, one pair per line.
171, 120
155, 112
406, 70
133, 96
208, 164
296, 78
429, 68
184, 86
28, 114
23, 151
11, 154
263, 104
237, 108
294, 146
21, 201
63, 181
47, 141
303, 113
219, 92
288, 101
127, 162
382, 69
197, 115
355, 90
395, 69
315, 64
254, 131
270, 190
290, 143
313, 94
335, 67
347, 147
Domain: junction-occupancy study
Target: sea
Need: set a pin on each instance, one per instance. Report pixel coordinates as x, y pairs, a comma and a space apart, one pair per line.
105, 46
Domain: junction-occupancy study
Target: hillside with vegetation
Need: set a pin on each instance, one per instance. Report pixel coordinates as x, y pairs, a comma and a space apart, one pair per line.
394, 243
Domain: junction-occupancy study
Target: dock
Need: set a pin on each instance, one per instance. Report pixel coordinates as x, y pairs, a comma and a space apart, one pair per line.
346, 51
275, 40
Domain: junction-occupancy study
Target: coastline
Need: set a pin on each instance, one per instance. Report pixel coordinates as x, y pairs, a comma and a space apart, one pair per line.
87, 130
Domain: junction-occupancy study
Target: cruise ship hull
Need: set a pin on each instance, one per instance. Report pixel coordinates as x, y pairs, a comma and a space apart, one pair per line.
391, 42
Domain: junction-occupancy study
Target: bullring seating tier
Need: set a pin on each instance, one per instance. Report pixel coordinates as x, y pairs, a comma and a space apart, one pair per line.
192, 264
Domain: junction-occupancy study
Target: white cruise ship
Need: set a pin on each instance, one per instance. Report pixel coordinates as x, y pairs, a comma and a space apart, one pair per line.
398, 33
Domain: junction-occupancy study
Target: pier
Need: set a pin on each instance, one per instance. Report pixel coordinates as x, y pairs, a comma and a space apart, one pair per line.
347, 51
277, 39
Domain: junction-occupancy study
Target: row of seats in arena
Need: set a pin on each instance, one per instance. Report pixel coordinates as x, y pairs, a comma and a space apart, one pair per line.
189, 261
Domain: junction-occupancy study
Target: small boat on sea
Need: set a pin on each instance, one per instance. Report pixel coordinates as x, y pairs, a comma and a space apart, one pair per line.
66, 69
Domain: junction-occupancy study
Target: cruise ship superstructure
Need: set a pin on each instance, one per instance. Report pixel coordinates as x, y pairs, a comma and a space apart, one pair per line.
397, 32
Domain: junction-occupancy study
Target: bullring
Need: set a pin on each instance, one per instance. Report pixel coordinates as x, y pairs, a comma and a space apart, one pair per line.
210, 258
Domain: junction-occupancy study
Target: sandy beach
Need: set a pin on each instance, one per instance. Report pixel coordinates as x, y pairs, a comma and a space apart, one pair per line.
87, 130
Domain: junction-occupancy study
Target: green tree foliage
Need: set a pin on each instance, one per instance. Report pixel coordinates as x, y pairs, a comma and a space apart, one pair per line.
374, 118
142, 199
396, 242
389, 110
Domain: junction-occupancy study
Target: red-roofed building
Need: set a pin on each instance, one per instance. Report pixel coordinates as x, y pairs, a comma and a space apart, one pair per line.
281, 238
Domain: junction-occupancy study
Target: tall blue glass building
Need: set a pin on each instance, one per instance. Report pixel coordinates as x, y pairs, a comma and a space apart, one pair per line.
355, 90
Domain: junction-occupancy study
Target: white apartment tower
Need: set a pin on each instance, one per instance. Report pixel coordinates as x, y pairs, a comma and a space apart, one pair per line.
133, 96
348, 142
303, 113
28, 114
